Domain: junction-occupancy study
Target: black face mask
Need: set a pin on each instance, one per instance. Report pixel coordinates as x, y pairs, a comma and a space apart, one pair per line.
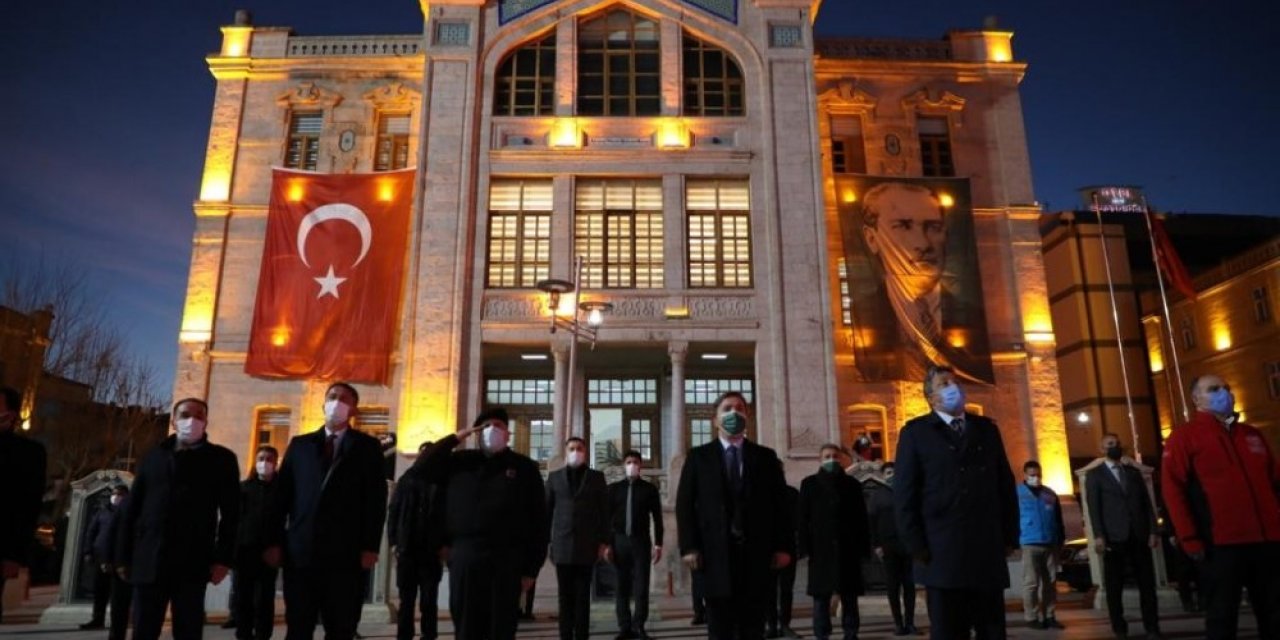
1114, 453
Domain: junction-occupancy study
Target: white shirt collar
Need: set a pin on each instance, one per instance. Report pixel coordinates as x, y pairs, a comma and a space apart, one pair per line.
339, 433
726, 443
946, 417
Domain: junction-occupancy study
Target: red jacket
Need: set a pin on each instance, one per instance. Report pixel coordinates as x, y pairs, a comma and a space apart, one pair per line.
1223, 481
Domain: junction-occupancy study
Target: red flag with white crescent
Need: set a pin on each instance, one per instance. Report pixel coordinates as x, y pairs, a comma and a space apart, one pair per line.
1167, 259
332, 266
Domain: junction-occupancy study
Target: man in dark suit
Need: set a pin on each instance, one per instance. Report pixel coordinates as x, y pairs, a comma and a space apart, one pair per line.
179, 527
633, 504
733, 524
899, 580
328, 511
495, 524
957, 511
98, 541
578, 512
834, 535
415, 531
22, 469
1124, 532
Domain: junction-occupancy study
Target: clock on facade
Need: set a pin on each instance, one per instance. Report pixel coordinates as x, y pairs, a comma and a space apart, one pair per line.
892, 145
347, 141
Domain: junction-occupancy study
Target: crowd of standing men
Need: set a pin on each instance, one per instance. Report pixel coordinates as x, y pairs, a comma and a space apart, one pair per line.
946, 515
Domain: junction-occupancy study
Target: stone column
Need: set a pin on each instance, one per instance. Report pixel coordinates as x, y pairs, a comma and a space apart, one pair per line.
559, 412
678, 352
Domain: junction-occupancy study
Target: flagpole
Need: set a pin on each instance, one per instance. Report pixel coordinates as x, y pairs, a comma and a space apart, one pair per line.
1115, 317
1168, 318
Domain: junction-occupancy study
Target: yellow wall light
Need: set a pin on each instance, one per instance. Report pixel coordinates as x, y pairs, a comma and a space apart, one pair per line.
565, 134
672, 134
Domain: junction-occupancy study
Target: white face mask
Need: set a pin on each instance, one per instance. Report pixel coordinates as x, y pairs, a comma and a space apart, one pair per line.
494, 439
190, 430
632, 470
336, 412
574, 458
116, 500
1033, 481
265, 468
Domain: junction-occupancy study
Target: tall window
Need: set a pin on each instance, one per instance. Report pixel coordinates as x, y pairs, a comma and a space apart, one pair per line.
1188, 330
615, 391
541, 439
519, 232
846, 302
271, 427
393, 142
935, 147
303, 150
1273, 379
530, 391
618, 233
712, 80
1261, 305
526, 80
719, 218
619, 70
700, 431
848, 155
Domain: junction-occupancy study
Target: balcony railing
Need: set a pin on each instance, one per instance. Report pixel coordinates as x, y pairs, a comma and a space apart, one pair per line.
340, 46
883, 49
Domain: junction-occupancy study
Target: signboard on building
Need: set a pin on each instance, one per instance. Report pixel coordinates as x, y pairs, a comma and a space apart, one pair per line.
1114, 198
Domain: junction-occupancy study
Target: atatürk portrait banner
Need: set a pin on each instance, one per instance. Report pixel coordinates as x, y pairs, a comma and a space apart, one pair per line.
913, 283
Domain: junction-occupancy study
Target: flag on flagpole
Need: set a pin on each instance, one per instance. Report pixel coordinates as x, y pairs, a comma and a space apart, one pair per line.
1167, 260
330, 282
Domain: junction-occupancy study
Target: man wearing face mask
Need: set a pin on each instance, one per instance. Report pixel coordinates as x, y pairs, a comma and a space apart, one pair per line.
834, 535
98, 539
732, 519
957, 511
325, 522
1222, 487
1042, 536
22, 473
179, 528
633, 504
253, 582
900, 584
495, 524
415, 531
578, 513
1124, 533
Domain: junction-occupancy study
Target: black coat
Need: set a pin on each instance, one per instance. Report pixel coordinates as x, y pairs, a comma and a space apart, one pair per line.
881, 519
494, 501
256, 496
22, 470
415, 519
99, 537
579, 518
833, 532
1119, 512
329, 519
955, 501
182, 513
646, 507
706, 507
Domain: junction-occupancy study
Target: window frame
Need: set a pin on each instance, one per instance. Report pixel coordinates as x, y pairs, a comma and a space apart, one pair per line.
720, 215
695, 83
540, 245
397, 141
618, 264
308, 142
1261, 297
608, 50
543, 81
937, 153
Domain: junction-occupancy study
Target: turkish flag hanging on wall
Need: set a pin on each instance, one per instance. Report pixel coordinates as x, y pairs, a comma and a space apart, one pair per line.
332, 266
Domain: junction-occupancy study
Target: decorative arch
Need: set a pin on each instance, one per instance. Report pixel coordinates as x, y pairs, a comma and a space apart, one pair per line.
948, 105
846, 99
525, 80
393, 95
309, 95
711, 79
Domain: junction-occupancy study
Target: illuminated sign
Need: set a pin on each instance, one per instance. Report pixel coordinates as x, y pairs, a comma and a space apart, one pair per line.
1114, 199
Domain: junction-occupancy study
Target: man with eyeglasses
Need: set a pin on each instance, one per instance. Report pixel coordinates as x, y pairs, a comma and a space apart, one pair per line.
1222, 488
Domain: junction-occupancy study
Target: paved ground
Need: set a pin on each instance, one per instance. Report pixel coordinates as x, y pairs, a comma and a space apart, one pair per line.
1082, 623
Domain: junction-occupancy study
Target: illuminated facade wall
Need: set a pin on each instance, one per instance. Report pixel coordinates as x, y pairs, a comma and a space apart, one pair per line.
1089, 356
777, 321
1231, 330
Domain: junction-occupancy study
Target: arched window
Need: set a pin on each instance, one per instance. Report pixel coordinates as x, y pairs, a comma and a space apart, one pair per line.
712, 80
619, 70
526, 81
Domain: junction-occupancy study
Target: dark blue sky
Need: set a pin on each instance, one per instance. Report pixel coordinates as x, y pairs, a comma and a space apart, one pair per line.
107, 103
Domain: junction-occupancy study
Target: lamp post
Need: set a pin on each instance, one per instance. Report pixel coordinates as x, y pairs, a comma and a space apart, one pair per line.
576, 326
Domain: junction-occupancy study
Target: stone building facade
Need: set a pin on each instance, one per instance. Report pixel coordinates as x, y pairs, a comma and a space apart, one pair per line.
692, 151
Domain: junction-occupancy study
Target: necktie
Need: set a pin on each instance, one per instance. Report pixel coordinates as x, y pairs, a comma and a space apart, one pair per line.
630, 485
928, 323
957, 425
329, 445
735, 471
1115, 470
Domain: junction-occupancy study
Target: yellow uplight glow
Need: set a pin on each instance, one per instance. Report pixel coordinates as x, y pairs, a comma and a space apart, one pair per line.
848, 196
946, 200
565, 134
676, 313
1039, 337
215, 185
1221, 338
197, 321
296, 191
957, 338
429, 421
26, 424
235, 41
672, 134
999, 46
386, 190
280, 336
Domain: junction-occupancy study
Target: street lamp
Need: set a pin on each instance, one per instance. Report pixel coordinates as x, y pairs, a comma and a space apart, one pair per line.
574, 326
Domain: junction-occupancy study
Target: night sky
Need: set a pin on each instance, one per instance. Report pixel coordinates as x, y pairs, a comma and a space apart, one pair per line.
107, 102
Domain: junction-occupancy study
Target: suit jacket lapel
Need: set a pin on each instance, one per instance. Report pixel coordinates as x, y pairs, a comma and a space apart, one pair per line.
339, 454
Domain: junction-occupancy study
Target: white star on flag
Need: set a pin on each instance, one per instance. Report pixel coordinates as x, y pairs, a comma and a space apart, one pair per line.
329, 284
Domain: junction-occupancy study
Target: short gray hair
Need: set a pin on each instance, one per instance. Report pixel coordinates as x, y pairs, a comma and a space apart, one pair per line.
871, 201
931, 373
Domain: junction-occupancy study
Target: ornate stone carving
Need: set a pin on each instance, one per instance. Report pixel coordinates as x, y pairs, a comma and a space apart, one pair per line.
309, 94
506, 308
846, 99
394, 95
729, 308
948, 105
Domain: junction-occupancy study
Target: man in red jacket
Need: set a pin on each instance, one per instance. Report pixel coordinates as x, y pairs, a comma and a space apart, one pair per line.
1220, 484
